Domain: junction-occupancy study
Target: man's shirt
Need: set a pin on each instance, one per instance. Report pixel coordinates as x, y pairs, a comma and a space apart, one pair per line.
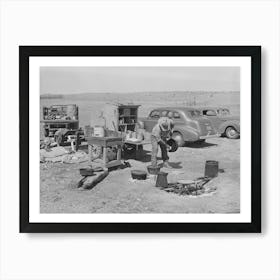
159, 133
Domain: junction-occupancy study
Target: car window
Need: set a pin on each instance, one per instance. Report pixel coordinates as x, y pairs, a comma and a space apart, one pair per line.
194, 113
164, 113
176, 115
209, 113
223, 112
155, 114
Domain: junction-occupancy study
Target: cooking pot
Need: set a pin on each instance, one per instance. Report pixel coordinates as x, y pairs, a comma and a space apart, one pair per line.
154, 170
139, 174
173, 144
86, 171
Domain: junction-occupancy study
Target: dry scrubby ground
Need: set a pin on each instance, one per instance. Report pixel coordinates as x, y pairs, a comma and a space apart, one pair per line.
118, 193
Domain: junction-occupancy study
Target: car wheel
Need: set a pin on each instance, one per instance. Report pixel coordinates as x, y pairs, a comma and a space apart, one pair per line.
231, 133
178, 137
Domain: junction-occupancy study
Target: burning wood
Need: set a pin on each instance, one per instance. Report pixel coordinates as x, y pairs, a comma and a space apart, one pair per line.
195, 187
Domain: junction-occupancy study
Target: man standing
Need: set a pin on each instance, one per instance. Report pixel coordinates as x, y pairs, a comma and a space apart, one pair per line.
161, 132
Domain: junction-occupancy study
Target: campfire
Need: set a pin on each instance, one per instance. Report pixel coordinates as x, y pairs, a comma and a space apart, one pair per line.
189, 187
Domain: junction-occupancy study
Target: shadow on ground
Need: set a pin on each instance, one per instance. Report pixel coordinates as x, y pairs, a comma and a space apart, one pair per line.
173, 165
199, 145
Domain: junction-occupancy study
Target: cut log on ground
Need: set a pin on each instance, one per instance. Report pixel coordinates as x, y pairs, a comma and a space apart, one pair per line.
88, 182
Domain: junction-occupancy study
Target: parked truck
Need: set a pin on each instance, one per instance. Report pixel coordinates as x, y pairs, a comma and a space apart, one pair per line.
61, 122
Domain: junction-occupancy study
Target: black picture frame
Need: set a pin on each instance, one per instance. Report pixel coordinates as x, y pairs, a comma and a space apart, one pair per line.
25, 52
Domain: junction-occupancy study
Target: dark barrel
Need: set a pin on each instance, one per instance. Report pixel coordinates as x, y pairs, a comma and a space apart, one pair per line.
211, 168
162, 180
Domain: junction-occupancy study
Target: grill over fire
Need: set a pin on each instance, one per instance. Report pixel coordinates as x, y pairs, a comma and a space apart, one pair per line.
193, 188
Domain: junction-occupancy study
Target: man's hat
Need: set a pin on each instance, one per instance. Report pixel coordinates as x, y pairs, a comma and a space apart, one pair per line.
164, 125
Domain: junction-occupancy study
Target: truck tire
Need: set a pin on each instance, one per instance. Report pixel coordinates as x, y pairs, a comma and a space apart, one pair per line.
178, 137
46, 132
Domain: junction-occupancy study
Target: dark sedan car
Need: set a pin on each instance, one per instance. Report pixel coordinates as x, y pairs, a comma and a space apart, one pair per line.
224, 122
189, 124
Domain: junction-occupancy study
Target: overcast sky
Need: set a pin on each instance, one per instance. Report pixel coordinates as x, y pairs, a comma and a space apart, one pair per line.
70, 80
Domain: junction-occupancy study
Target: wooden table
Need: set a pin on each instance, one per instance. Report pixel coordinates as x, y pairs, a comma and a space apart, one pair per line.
106, 142
138, 147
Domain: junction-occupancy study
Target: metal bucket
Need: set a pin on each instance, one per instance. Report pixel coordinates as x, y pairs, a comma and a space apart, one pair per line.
154, 170
211, 168
162, 180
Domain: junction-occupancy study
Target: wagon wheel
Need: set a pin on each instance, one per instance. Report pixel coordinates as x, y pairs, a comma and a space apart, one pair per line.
94, 152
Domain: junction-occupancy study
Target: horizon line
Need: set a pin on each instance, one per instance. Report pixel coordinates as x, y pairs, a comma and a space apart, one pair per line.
132, 92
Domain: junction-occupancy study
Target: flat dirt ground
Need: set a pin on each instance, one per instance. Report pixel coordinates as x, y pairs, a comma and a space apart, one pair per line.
118, 193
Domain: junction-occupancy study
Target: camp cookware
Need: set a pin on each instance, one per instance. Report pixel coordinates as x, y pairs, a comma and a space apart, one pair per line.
139, 174
154, 170
173, 144
86, 171
211, 168
90, 171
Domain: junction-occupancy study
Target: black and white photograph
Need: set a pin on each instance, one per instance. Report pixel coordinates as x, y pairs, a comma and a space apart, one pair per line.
150, 135
140, 140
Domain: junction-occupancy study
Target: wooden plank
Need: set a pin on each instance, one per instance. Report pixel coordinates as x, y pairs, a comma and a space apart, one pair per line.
111, 143
104, 141
137, 143
113, 163
105, 159
59, 121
